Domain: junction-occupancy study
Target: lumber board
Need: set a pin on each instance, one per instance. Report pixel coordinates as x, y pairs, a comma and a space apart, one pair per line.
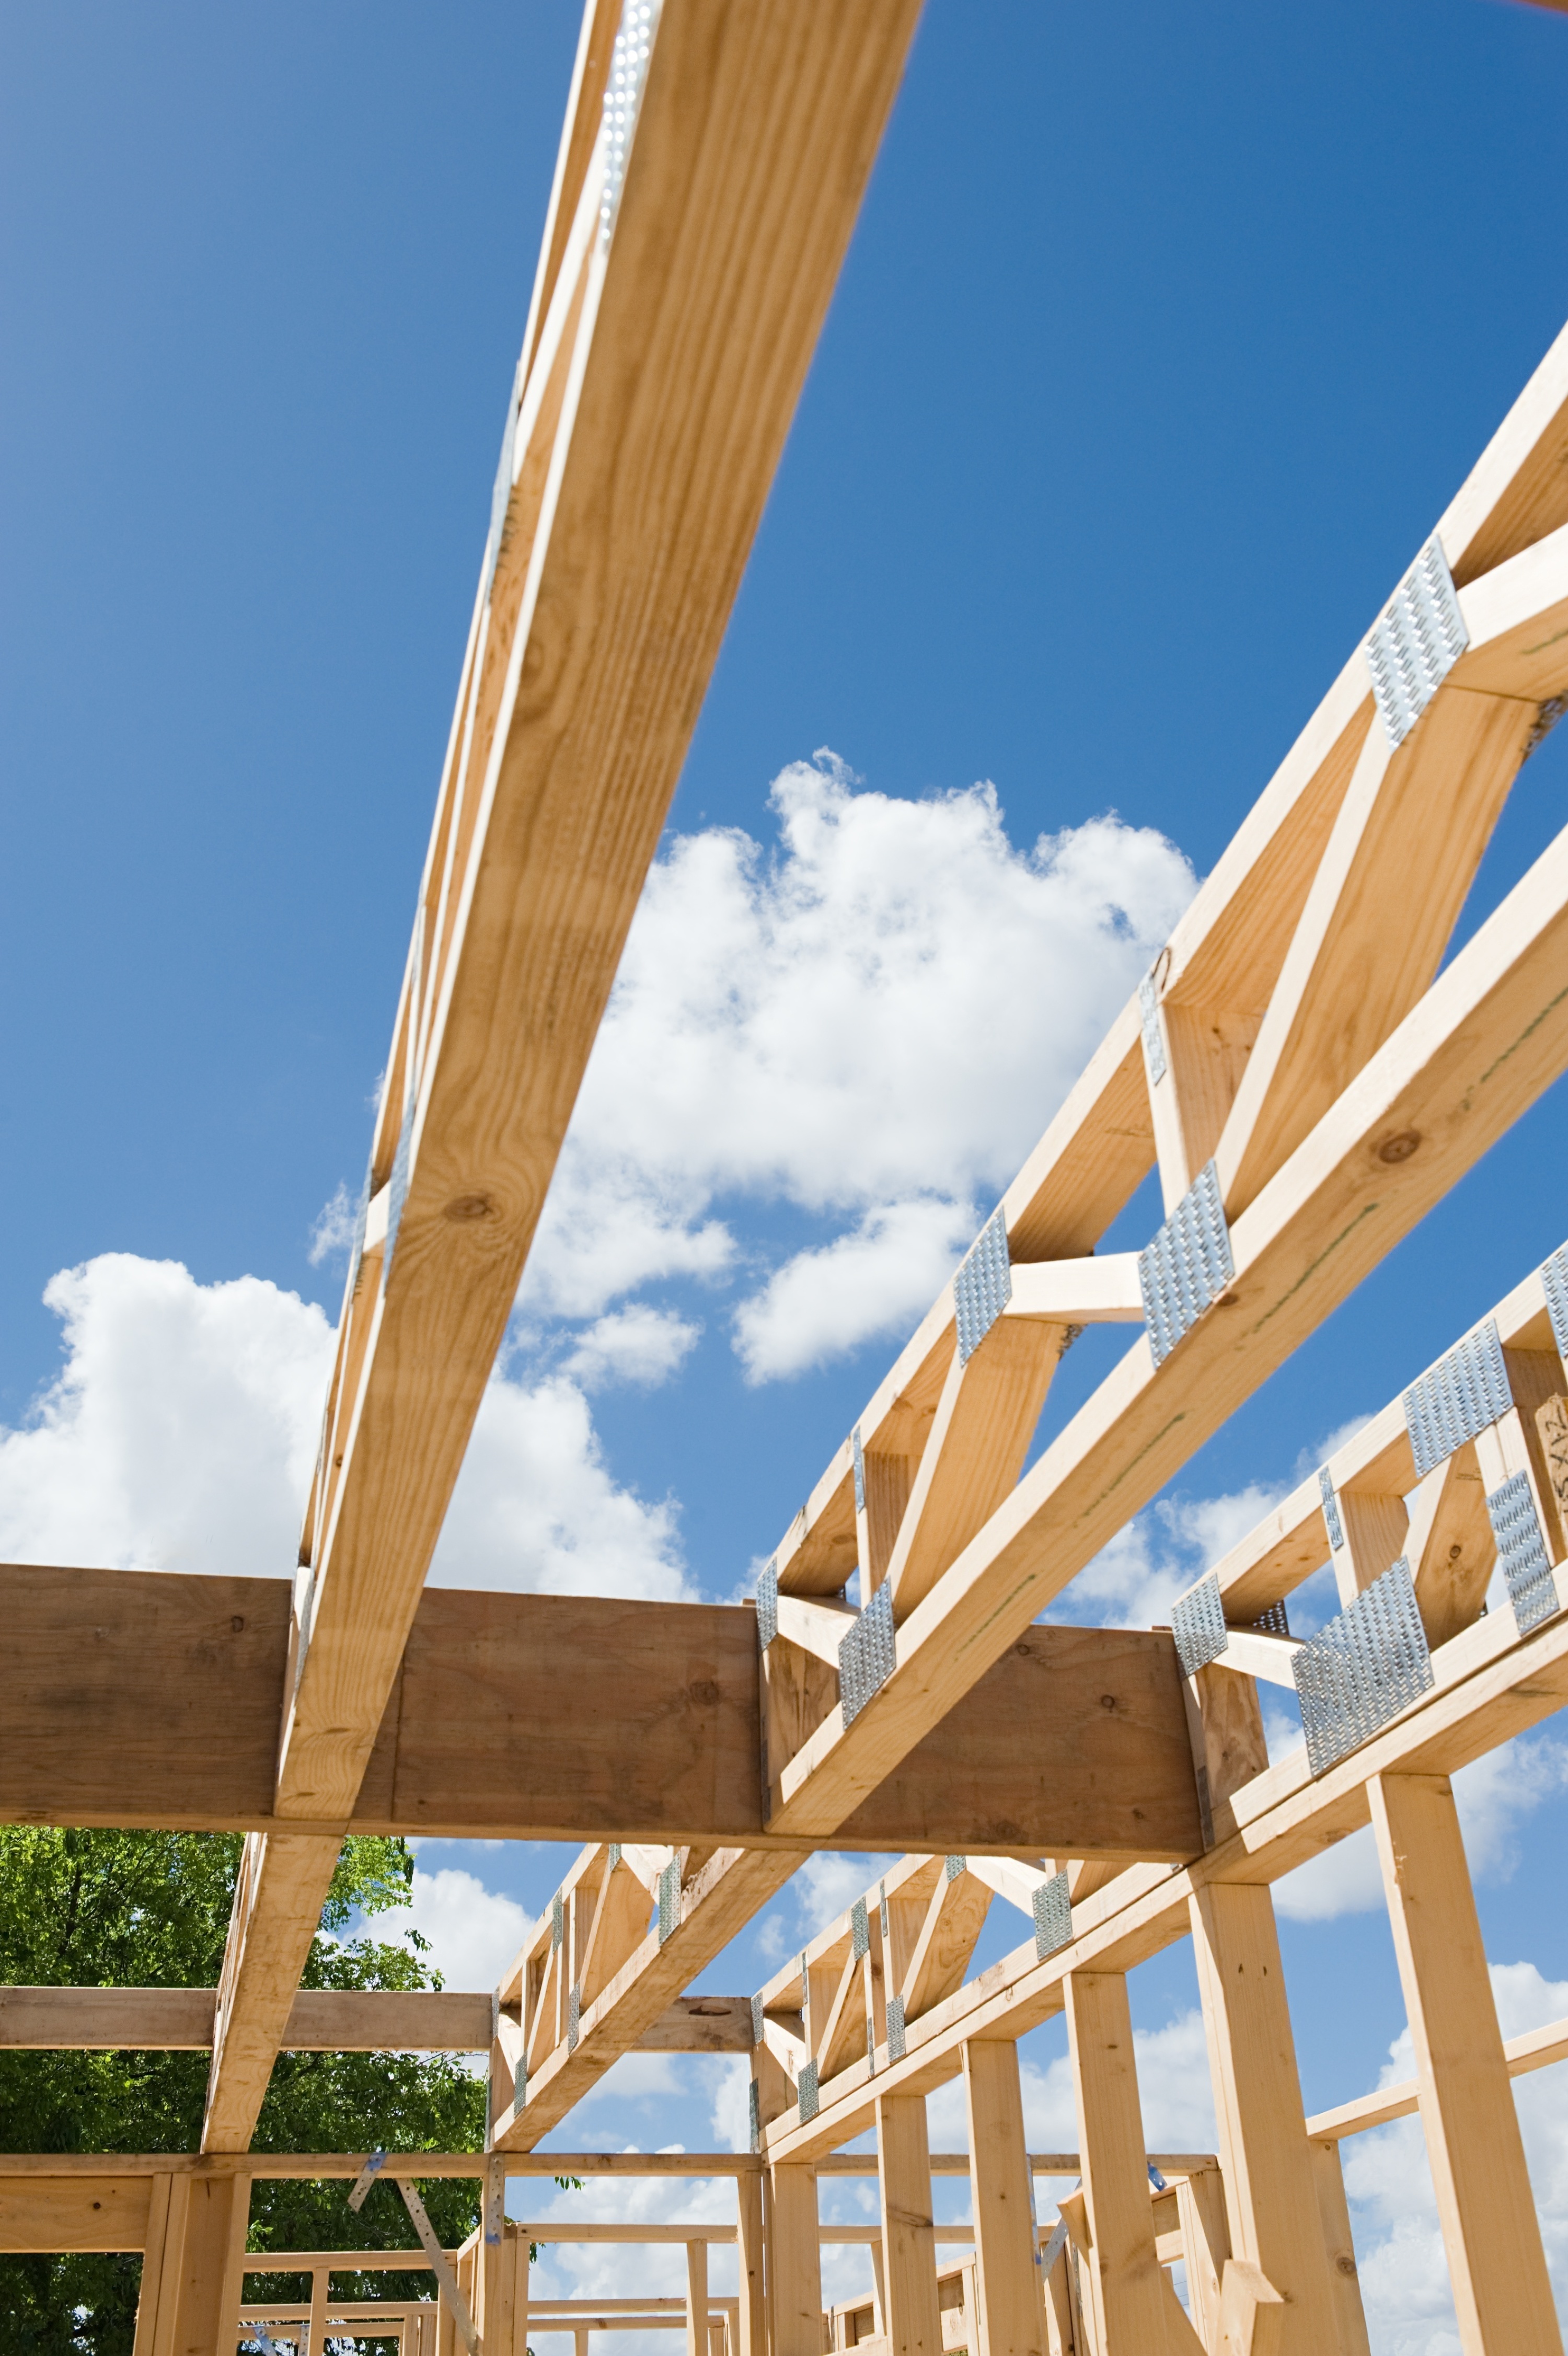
1075, 1740
76, 2212
665, 361
321, 2021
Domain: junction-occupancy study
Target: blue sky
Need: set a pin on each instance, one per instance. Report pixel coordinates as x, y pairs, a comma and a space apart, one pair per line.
1166, 335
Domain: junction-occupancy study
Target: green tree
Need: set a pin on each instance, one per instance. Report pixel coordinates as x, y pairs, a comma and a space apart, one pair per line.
151, 1909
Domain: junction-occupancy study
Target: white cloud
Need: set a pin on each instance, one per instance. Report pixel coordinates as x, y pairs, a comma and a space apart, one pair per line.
640, 1345
1174, 2092
1403, 2271
474, 1932
1133, 1582
181, 1432
337, 1222
878, 1278
1493, 1794
872, 1025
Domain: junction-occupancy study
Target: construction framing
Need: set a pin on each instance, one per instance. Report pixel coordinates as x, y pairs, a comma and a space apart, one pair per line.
1306, 1078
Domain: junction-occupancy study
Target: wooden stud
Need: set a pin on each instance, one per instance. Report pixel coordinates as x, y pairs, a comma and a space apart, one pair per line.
696, 2298
1334, 2211
1129, 2283
1206, 2245
1251, 2313
1502, 2293
908, 2250
1270, 2190
1007, 2265
1375, 1528
750, 2237
795, 2290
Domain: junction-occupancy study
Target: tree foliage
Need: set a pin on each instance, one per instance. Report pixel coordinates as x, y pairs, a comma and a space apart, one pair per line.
151, 1909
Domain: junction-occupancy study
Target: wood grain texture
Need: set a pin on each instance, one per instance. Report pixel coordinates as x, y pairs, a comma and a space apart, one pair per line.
1129, 2284
1497, 2267
75, 2212
912, 2315
321, 2021
1007, 2263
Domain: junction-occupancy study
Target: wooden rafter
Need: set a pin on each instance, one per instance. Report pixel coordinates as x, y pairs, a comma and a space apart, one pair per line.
673, 318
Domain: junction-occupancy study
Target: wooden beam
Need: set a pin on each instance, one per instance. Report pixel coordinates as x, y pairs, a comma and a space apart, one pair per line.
661, 373
1537, 2049
1497, 2267
795, 2295
913, 2322
1130, 2301
321, 2021
1075, 1740
1007, 2265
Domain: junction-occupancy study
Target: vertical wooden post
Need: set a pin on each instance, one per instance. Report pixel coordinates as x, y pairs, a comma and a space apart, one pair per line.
320, 2292
153, 2261
878, 2289
192, 2286
914, 2323
1132, 2288
1007, 2270
580, 2343
1270, 2190
1206, 2245
1502, 2294
1335, 2213
696, 2298
752, 2318
494, 2265
795, 2266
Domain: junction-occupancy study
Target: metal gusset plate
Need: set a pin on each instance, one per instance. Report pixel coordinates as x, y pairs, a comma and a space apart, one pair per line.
1187, 1266
1416, 643
1460, 1396
1274, 1622
1053, 1916
895, 2042
669, 1899
557, 1920
866, 1655
1554, 1280
758, 2017
1198, 1623
573, 2015
955, 1865
859, 1470
1331, 1521
768, 1605
1360, 1670
808, 2092
859, 1930
1153, 1039
756, 2109
1521, 1552
982, 1287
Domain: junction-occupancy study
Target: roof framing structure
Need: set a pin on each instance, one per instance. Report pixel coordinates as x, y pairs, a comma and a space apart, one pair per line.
1308, 1078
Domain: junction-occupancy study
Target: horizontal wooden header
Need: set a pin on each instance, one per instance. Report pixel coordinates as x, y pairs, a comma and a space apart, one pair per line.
152, 1699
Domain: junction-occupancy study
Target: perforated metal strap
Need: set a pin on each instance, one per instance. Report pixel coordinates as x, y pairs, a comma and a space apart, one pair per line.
896, 2040
1459, 1396
669, 1899
1053, 1916
859, 1931
759, 2017
1187, 1266
1554, 1282
1153, 1038
623, 97
859, 1470
955, 1865
1363, 1669
768, 1605
557, 1921
1331, 1521
808, 2092
866, 1655
397, 1185
1416, 643
1521, 1552
573, 2015
982, 1287
1198, 1623
756, 2108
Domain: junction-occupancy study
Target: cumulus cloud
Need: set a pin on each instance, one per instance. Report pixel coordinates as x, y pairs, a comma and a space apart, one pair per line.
181, 1431
872, 1024
1133, 1582
474, 1932
1494, 1796
1403, 2272
642, 1345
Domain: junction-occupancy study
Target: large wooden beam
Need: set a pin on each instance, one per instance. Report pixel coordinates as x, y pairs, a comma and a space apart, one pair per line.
679, 298
1074, 1740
